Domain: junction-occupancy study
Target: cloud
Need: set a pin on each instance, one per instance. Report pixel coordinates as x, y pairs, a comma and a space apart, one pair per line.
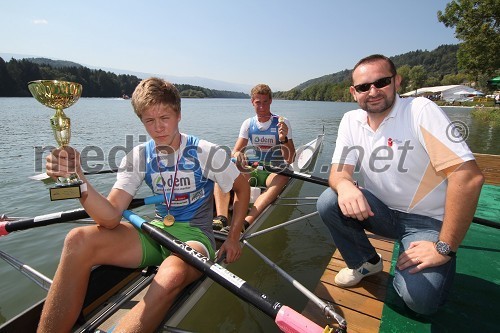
40, 21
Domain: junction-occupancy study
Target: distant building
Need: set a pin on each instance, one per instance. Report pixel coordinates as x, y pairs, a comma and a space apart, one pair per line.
449, 93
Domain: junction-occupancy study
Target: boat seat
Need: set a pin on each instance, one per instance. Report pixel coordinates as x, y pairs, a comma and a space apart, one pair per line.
106, 281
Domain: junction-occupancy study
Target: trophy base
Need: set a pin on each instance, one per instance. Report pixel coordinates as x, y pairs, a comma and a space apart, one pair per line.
65, 192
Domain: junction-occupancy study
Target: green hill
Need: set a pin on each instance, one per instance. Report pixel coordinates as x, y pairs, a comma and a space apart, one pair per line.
439, 66
53, 63
441, 61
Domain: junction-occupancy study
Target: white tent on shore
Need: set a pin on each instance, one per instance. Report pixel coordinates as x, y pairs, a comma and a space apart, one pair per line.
447, 93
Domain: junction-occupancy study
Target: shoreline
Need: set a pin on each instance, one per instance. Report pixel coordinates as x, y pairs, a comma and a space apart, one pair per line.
457, 106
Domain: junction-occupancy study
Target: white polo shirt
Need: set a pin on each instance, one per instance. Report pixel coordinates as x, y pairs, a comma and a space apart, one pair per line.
402, 160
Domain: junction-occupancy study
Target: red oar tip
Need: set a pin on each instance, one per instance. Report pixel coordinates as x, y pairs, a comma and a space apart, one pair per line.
3, 230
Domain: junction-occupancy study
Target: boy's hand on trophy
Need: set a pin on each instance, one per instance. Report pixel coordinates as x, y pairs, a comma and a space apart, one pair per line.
62, 162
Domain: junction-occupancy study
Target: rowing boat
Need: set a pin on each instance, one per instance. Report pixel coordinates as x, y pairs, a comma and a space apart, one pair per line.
306, 158
112, 290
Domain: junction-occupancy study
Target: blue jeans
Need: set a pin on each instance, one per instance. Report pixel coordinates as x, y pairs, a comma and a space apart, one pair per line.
423, 292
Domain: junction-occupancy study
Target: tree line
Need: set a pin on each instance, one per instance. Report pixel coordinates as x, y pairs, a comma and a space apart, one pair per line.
15, 75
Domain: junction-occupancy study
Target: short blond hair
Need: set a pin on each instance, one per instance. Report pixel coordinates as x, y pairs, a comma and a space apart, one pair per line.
261, 89
155, 91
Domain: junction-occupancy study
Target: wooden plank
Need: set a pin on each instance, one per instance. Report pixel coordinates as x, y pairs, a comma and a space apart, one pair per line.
372, 286
361, 305
369, 324
349, 298
490, 167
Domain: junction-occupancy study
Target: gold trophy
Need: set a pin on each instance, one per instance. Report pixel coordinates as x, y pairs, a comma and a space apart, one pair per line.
59, 95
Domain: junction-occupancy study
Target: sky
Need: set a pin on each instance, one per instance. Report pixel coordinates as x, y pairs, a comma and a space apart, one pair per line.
279, 42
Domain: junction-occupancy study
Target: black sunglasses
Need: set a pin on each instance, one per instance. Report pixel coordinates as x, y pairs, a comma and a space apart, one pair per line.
380, 83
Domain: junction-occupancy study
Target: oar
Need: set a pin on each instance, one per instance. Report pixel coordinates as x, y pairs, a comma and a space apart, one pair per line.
254, 163
287, 319
28, 271
298, 175
7, 227
44, 177
323, 181
326, 308
281, 225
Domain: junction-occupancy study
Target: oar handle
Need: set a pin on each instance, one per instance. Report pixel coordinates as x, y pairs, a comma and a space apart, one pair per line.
286, 172
42, 220
7, 227
286, 318
251, 160
298, 175
254, 162
3, 229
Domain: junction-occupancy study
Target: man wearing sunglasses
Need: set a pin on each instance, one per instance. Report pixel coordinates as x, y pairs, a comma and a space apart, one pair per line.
421, 187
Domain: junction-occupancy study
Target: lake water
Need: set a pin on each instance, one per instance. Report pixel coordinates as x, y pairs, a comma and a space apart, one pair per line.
108, 127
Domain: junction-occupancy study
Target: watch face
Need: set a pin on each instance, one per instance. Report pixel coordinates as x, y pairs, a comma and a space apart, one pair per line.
442, 247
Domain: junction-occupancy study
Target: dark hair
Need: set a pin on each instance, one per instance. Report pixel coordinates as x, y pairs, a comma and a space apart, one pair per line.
372, 58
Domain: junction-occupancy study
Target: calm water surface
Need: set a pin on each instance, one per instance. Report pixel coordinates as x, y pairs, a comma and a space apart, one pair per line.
109, 127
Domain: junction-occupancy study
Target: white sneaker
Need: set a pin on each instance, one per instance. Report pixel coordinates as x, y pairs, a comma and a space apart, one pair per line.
347, 277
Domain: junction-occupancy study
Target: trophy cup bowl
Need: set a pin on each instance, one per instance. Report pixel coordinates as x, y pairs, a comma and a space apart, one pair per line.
59, 95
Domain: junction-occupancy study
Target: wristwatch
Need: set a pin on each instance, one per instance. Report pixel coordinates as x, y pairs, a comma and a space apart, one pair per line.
444, 249
284, 141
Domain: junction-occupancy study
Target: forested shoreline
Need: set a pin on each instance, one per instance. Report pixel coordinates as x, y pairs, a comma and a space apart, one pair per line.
15, 75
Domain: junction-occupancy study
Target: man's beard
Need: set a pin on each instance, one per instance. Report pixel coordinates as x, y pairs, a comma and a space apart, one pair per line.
388, 102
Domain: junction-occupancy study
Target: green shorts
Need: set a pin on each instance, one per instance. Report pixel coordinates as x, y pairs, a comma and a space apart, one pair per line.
153, 253
258, 178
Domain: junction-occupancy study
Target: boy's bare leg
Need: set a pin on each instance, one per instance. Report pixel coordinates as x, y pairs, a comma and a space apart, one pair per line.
173, 276
221, 201
275, 184
84, 248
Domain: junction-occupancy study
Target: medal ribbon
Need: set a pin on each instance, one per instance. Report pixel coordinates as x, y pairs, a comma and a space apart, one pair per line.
168, 202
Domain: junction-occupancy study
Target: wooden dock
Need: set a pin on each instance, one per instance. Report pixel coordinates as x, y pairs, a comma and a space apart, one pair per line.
361, 306
490, 167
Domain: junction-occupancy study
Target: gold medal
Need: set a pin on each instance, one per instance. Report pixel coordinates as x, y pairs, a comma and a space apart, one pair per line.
168, 220
281, 119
